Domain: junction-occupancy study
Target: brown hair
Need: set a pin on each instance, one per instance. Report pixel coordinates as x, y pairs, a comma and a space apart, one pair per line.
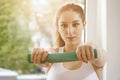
58, 41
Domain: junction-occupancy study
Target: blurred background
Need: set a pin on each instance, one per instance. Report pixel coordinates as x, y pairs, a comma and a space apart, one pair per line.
25, 24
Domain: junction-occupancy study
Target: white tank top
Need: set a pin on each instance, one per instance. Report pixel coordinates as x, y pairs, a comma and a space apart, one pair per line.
58, 72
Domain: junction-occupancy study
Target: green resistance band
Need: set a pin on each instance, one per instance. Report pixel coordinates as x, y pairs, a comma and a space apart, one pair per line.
61, 57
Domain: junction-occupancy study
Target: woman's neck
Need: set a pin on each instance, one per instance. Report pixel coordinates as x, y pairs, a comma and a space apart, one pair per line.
71, 47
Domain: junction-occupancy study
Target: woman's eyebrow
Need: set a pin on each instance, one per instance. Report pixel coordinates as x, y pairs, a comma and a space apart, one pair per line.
76, 20
72, 21
63, 22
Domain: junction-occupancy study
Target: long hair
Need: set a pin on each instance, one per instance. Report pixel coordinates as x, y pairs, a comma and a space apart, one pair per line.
58, 41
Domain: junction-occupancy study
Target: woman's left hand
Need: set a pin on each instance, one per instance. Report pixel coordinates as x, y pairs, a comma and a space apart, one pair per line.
85, 53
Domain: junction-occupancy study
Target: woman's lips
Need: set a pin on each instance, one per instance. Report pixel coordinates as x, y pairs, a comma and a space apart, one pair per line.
70, 38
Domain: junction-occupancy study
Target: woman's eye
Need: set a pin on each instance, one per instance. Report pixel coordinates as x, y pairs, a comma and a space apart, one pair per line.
76, 24
63, 25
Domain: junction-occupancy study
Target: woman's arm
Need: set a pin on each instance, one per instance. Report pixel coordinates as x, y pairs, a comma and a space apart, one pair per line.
99, 63
85, 53
101, 58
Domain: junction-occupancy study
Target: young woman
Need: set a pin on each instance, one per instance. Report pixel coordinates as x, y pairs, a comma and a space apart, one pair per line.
69, 23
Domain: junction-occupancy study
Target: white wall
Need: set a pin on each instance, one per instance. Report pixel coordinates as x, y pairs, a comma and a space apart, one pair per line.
108, 39
113, 39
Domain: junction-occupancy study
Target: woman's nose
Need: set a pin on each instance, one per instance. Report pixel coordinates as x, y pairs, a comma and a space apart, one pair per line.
70, 30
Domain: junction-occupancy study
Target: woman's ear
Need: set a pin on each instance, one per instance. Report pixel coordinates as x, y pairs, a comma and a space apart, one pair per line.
84, 25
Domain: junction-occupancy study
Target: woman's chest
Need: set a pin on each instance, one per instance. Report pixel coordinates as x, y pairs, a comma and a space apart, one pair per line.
58, 72
72, 65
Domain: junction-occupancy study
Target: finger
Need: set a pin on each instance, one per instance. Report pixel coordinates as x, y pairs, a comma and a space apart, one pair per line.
91, 52
83, 55
35, 52
44, 56
37, 55
88, 53
78, 53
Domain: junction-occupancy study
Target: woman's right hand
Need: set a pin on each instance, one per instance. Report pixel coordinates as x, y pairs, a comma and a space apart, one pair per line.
39, 55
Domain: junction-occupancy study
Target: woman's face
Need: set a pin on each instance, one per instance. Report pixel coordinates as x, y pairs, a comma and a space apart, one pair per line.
70, 27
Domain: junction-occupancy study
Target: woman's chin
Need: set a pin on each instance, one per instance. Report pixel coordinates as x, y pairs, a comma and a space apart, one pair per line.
72, 42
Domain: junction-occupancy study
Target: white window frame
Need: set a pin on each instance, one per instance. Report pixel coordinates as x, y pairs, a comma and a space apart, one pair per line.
96, 24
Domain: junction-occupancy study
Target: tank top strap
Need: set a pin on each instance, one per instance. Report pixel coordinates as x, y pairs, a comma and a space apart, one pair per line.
61, 49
